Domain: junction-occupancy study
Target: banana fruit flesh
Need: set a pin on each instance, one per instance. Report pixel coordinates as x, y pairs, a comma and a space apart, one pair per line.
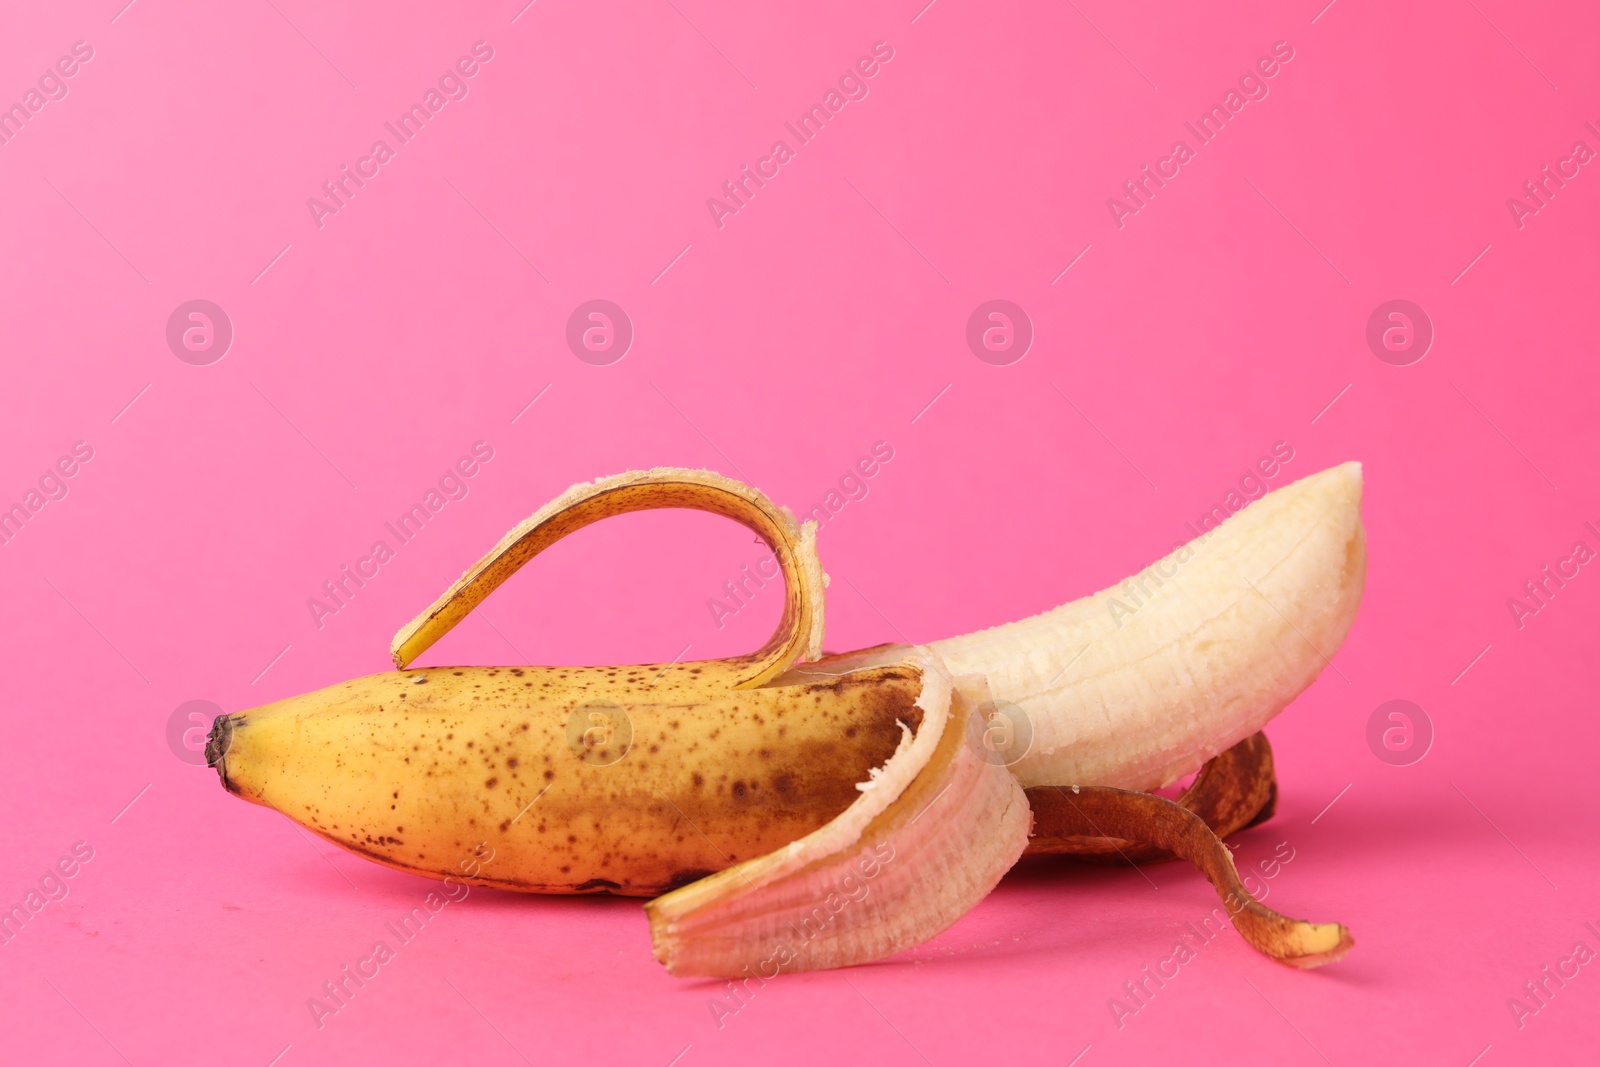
784, 767
1138, 685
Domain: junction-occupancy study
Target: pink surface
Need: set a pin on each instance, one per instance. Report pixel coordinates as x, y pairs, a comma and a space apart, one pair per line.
1171, 348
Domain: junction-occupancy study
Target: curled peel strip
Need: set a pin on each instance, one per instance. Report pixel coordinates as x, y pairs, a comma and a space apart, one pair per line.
1096, 811
932, 833
1232, 791
799, 632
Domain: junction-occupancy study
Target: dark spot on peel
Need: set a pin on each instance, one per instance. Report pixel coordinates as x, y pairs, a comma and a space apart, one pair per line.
683, 878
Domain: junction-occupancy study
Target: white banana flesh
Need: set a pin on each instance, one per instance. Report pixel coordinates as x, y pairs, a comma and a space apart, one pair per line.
1138, 685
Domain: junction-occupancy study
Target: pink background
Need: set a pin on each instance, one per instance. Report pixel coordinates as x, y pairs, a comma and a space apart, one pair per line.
823, 317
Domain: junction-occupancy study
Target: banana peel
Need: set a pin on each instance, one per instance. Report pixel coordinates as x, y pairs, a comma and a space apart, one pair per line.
777, 799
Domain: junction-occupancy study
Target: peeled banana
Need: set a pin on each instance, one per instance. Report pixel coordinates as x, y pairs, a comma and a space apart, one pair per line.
1139, 684
801, 810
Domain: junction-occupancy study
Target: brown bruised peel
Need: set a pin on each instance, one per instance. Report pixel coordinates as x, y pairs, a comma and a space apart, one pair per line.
1232, 791
933, 832
1103, 812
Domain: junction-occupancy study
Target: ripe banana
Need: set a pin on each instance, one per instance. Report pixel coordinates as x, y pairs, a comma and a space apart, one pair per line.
794, 774
415, 768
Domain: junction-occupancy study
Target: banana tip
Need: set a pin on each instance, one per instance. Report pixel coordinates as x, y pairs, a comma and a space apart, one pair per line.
1330, 955
218, 741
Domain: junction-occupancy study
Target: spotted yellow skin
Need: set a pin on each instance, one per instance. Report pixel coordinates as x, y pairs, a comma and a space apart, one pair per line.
422, 770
